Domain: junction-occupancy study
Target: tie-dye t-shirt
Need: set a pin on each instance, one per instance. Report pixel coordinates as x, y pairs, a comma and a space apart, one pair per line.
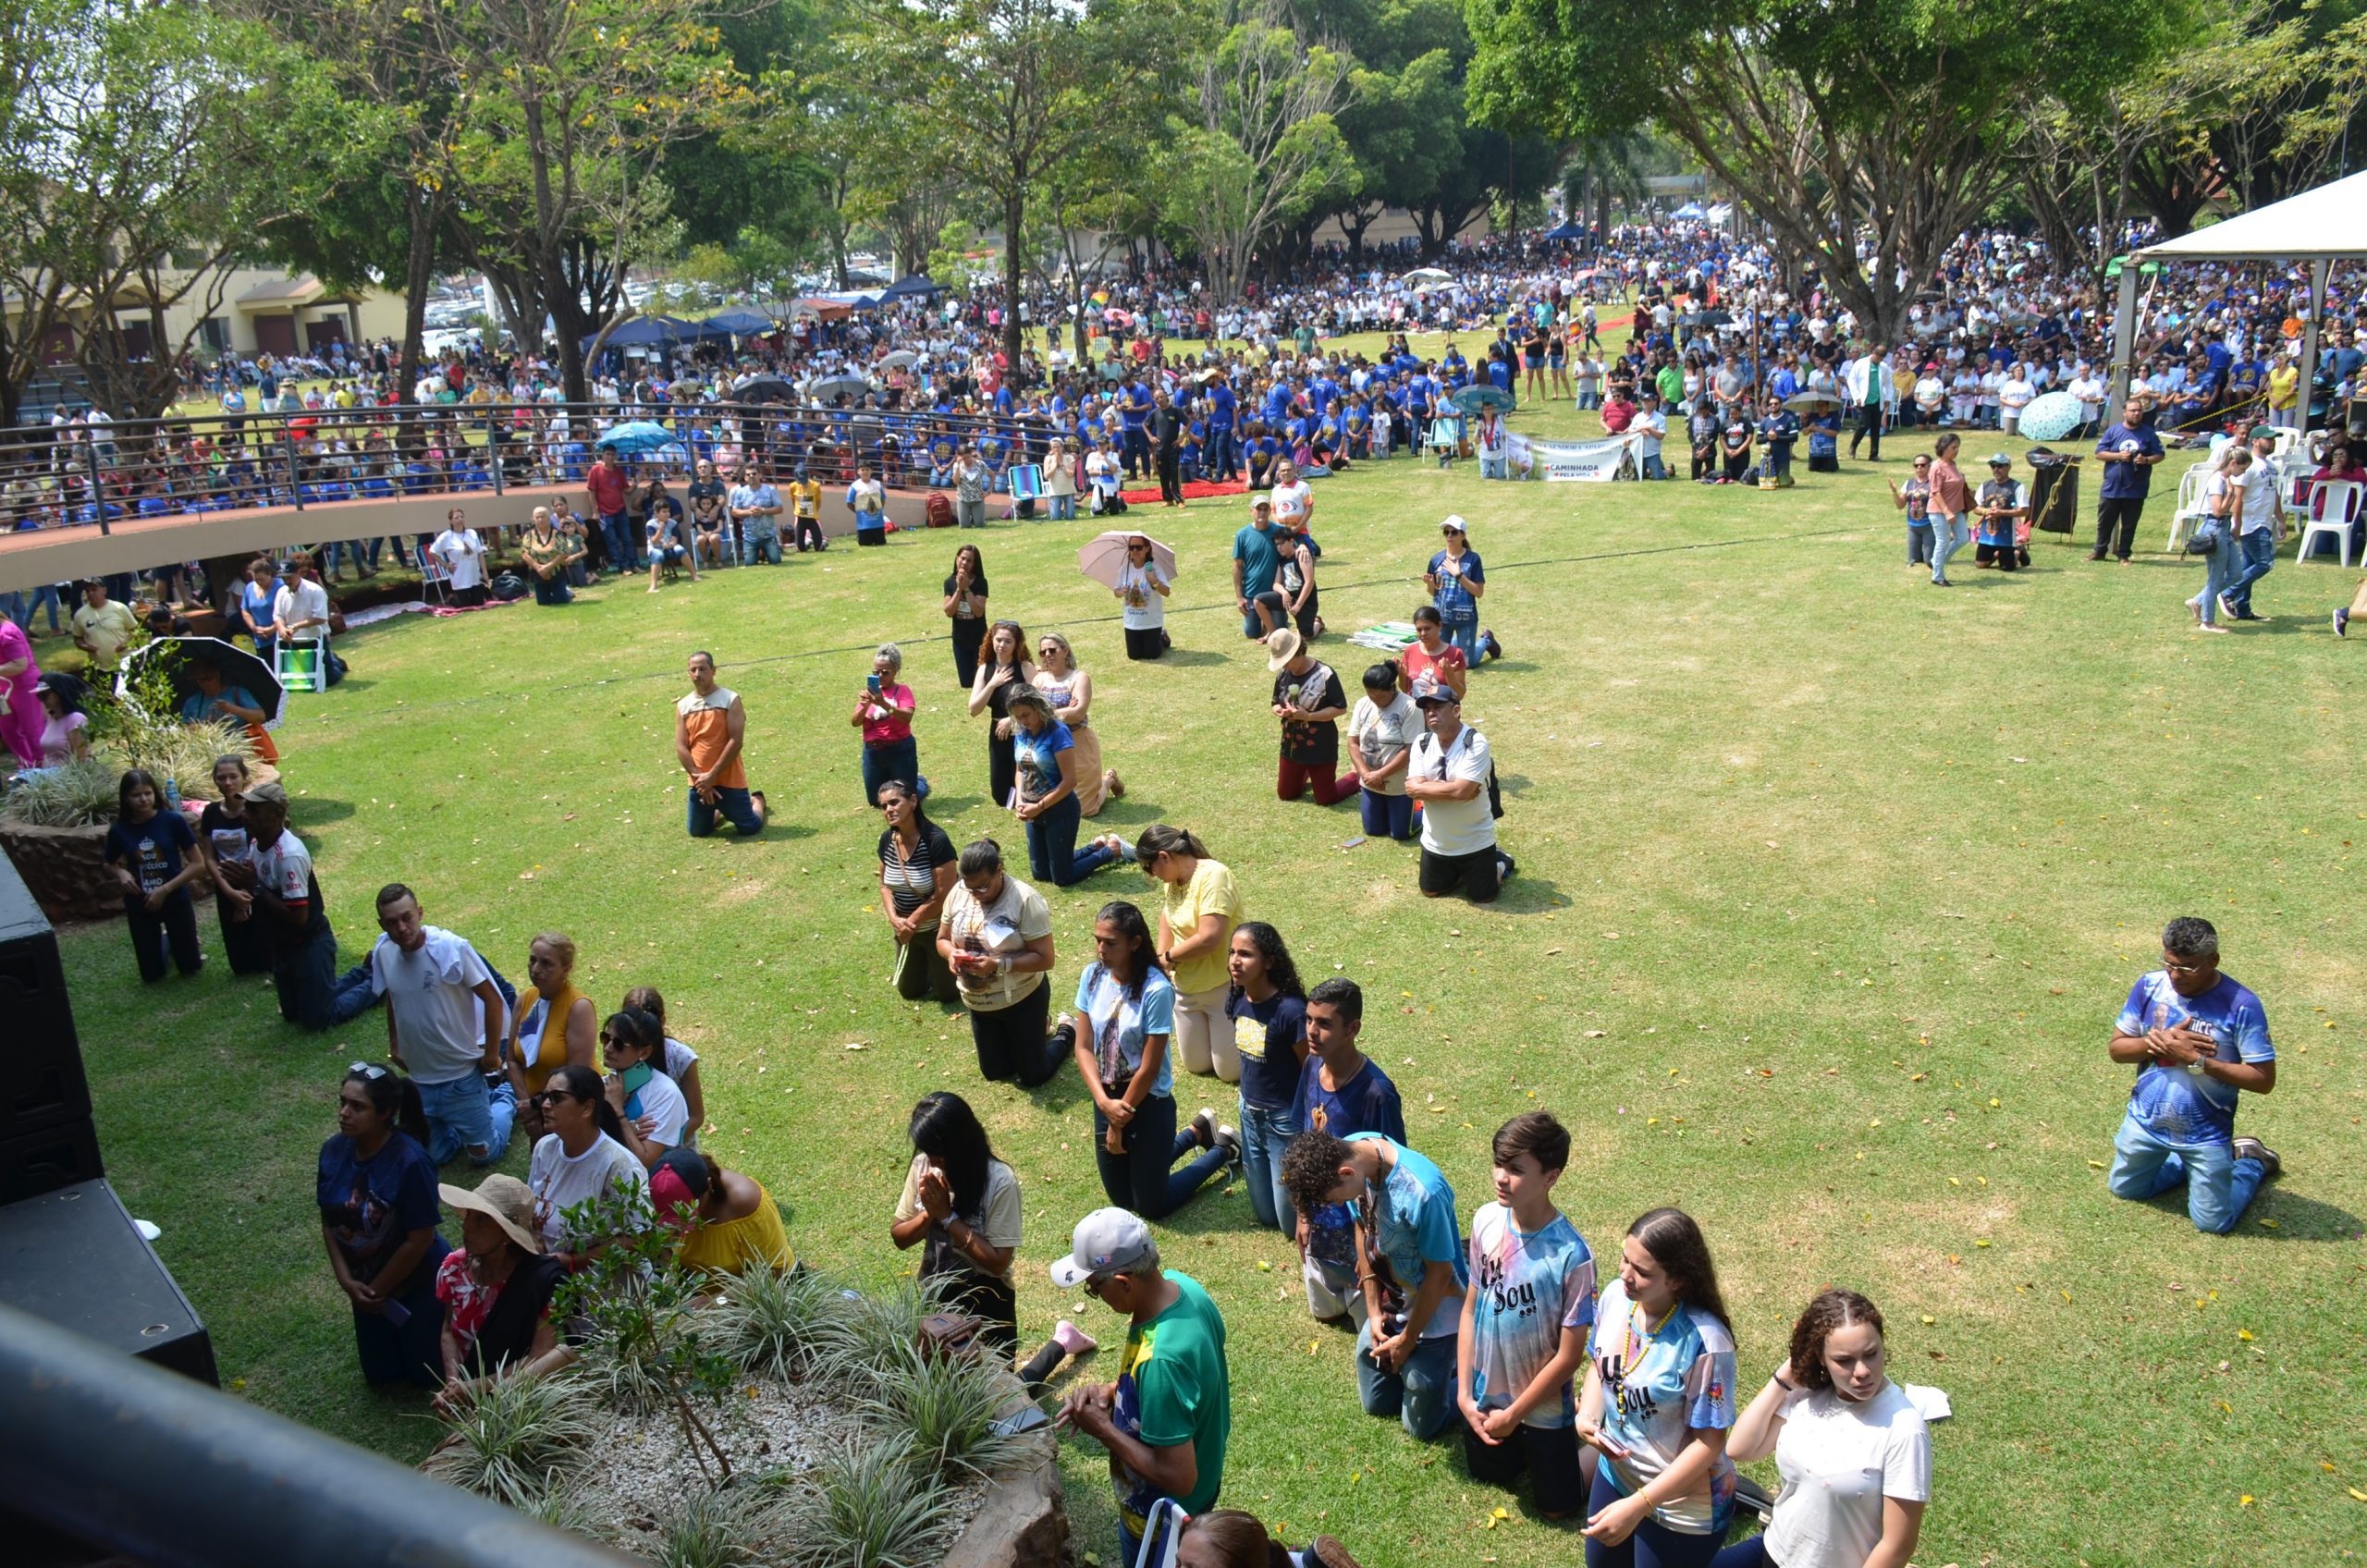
2176, 1106
1526, 1288
1658, 1384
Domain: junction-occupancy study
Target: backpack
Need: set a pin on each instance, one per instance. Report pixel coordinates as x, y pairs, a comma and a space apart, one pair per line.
940, 509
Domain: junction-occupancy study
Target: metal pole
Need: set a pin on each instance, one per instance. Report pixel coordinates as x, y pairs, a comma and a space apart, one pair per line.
163, 1469
2124, 332
91, 465
2320, 274
288, 452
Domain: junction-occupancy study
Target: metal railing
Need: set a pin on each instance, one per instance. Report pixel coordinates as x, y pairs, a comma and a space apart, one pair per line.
95, 475
127, 1458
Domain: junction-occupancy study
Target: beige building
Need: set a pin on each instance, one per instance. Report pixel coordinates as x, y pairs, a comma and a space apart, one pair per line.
262, 310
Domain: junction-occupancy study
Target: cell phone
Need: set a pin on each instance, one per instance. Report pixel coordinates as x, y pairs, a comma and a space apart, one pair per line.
872, 681
395, 1312
637, 1076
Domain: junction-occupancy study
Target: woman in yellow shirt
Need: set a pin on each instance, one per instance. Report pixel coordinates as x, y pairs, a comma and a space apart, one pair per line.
2284, 393
729, 1222
1199, 908
552, 1028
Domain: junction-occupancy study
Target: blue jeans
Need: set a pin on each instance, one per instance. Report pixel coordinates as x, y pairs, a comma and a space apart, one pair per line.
464, 1115
1063, 506
1052, 855
1264, 1134
1465, 635
1492, 468
1389, 814
2219, 568
889, 759
1224, 457
1653, 1545
1919, 544
1949, 534
1145, 1178
624, 550
759, 538
2218, 1185
1653, 467
2255, 556
1422, 1395
732, 805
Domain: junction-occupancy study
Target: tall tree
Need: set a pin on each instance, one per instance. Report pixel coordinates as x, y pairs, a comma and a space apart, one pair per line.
1829, 119
1259, 148
143, 147
567, 109
1005, 92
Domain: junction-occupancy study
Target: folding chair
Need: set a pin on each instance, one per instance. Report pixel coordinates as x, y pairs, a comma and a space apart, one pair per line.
1162, 1535
2190, 509
434, 577
301, 666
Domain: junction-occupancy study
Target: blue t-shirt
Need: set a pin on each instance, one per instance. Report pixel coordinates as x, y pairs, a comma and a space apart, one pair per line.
1038, 757
1409, 1220
1456, 605
1526, 1288
1365, 1103
1122, 1021
1267, 1034
2128, 481
370, 1205
257, 602
1260, 561
153, 849
2173, 1104
1657, 1386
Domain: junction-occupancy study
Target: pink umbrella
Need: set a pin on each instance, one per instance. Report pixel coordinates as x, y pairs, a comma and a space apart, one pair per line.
1103, 556
1116, 317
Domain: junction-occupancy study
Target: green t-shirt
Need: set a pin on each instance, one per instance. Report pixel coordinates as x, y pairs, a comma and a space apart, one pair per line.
1172, 1388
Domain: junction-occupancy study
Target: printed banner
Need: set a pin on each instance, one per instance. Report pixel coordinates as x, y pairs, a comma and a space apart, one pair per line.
1560, 461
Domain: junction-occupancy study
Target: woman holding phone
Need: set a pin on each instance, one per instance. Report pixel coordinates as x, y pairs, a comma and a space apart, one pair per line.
965, 608
648, 1105
884, 712
1003, 668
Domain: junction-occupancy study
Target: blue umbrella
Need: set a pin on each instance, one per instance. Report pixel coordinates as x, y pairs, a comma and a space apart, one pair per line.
1471, 399
640, 436
2052, 417
742, 324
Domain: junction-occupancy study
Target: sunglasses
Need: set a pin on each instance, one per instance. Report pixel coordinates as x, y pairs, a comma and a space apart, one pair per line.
1094, 1283
365, 1071
552, 1097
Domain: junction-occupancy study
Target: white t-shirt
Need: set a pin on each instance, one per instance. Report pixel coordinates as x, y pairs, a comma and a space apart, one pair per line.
1293, 501
302, 599
462, 553
1379, 734
1454, 827
561, 1181
1838, 1461
1144, 609
997, 1216
661, 1101
439, 1020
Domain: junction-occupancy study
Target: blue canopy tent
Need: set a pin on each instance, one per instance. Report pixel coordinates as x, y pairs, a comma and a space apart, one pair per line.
1565, 231
650, 331
913, 286
1691, 211
740, 324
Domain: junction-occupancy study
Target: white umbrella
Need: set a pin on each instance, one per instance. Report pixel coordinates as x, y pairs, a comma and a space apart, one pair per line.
1428, 274
900, 358
1103, 556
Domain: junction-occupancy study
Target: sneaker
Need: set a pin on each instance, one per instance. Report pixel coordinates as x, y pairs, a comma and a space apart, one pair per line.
1228, 1139
1204, 1127
1488, 645
922, 785
1328, 1552
2272, 1164
2342, 623
2230, 611
1506, 866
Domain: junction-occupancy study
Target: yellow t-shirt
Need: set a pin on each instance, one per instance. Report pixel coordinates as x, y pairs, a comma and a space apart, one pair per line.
1210, 892
108, 628
806, 497
731, 1245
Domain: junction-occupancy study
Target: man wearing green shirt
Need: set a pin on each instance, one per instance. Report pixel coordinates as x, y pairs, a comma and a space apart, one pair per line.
1166, 1418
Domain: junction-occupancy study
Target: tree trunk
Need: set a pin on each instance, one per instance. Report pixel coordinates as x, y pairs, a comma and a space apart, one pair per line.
425, 209
1014, 211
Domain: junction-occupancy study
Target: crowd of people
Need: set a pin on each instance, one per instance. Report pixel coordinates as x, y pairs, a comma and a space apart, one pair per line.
1616, 1402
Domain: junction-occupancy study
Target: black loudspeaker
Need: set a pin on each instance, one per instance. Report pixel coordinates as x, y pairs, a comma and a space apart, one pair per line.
46, 1140
73, 1258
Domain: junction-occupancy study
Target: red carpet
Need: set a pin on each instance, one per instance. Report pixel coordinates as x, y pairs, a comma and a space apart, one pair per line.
1195, 491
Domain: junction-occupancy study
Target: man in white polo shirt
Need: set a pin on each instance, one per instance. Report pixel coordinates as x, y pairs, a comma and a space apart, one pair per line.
1449, 775
445, 1026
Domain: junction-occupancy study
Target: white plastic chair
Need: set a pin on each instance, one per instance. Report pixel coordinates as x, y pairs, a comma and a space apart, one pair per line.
2190, 508
2337, 505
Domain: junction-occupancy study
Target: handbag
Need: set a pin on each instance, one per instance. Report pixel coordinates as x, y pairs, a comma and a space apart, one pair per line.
2208, 535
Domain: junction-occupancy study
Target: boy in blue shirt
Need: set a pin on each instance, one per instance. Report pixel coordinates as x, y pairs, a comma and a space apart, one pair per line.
1525, 1323
1409, 1260
2198, 1040
1341, 1091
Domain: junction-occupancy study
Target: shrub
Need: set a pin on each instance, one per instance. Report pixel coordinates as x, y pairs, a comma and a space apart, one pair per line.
773, 1324
876, 1332
871, 1508
943, 1410
511, 1438
730, 1526
81, 794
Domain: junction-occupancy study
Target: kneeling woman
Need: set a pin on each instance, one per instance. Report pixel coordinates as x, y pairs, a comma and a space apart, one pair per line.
916, 863
1125, 1010
1049, 781
961, 1208
729, 1222
1853, 1454
378, 1214
495, 1288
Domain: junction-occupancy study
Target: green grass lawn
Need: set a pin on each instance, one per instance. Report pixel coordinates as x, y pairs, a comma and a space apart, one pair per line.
1831, 885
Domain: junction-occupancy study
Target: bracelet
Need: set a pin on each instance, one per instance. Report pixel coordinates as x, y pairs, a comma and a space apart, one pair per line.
1777, 1379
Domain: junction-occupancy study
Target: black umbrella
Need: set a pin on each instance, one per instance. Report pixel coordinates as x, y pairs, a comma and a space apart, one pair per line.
238, 668
763, 389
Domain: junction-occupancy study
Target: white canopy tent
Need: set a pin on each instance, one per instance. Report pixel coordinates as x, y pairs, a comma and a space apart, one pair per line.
2318, 228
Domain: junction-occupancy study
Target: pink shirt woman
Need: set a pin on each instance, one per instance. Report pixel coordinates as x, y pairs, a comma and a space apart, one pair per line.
20, 726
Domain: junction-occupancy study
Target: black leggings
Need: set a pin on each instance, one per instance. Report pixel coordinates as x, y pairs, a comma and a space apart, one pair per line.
1012, 1043
173, 926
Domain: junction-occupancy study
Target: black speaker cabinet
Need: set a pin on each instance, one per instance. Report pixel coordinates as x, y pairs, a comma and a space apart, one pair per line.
73, 1258
42, 1085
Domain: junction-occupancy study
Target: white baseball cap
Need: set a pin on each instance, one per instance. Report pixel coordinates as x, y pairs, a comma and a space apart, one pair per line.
1106, 1241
